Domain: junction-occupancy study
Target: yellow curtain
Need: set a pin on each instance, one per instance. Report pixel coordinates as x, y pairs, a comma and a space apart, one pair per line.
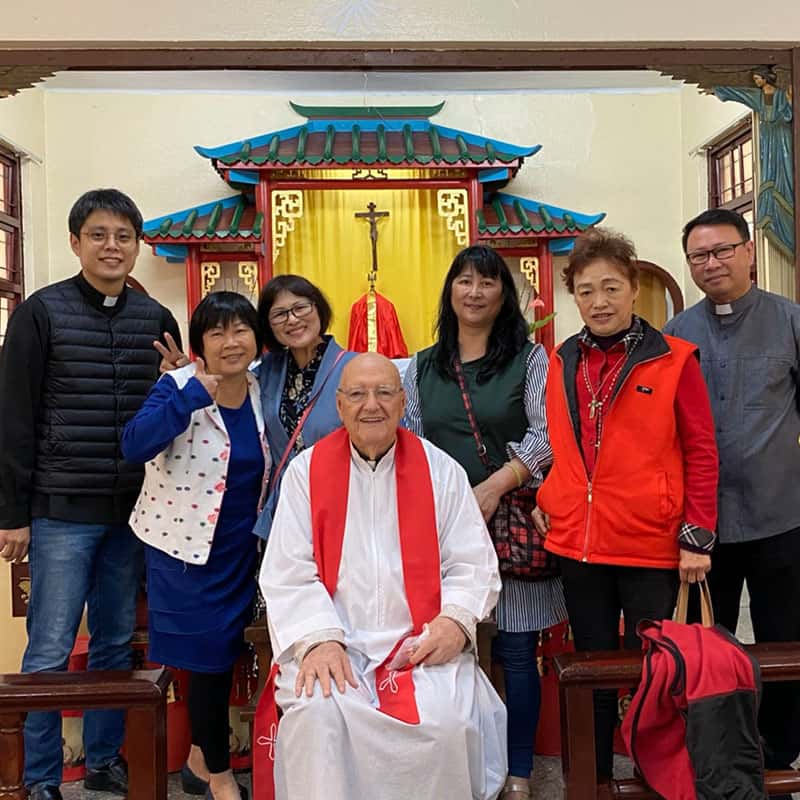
332, 248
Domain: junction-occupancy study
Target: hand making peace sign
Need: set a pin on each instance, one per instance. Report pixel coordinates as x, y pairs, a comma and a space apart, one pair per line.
171, 355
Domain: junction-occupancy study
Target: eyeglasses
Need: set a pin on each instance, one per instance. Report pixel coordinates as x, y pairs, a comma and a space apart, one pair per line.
721, 253
101, 236
383, 394
298, 311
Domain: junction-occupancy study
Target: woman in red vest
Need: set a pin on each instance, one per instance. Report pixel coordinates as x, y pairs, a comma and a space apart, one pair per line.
630, 504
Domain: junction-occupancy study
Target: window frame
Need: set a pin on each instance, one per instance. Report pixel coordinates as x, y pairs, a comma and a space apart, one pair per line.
732, 141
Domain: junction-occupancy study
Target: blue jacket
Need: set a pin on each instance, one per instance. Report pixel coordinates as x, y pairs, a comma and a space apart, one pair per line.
322, 420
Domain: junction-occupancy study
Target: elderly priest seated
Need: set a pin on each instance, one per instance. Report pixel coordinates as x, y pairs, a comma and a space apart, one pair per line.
377, 569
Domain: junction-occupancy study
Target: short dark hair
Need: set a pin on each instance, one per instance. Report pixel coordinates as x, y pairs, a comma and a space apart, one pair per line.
296, 284
601, 243
222, 308
717, 216
509, 332
112, 200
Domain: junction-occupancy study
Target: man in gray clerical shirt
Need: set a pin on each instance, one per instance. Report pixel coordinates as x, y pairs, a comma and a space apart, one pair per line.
749, 344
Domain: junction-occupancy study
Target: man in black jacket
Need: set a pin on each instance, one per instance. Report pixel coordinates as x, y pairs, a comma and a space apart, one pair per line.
77, 363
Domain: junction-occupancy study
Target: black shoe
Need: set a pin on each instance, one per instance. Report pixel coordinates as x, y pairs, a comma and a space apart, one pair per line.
190, 783
42, 792
111, 778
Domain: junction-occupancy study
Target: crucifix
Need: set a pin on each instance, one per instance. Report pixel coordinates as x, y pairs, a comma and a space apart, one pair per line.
372, 216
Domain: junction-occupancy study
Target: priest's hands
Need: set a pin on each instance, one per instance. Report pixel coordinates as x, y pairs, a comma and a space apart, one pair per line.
444, 642
324, 662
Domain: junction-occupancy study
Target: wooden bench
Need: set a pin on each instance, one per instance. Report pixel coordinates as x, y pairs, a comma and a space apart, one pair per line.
580, 673
141, 693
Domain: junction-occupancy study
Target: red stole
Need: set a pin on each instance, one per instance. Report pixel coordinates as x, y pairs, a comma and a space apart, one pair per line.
329, 481
389, 340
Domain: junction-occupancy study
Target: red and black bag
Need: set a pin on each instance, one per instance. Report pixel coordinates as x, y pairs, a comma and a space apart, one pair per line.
692, 727
519, 546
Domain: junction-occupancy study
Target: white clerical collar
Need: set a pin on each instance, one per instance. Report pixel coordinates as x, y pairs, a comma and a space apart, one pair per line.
723, 309
109, 301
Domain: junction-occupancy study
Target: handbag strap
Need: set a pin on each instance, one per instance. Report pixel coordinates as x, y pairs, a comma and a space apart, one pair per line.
302, 421
706, 608
473, 423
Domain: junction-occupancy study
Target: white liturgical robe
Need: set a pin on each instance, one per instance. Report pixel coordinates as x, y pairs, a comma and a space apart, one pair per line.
343, 747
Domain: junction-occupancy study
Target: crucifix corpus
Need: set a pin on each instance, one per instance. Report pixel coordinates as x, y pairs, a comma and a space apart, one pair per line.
372, 216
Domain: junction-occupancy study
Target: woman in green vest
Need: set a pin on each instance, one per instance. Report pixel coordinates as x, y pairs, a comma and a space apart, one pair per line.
482, 335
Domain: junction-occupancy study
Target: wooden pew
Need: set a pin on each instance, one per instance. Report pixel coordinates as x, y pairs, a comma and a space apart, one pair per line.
580, 673
141, 693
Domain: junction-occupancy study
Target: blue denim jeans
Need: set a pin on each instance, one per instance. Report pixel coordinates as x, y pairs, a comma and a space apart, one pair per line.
517, 654
73, 564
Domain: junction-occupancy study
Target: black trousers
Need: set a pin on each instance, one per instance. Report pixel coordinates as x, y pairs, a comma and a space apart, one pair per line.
595, 595
209, 695
771, 568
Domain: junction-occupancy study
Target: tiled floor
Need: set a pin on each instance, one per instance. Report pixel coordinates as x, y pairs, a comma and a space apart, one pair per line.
547, 781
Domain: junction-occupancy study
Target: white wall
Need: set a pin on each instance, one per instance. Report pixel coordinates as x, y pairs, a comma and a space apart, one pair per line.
263, 21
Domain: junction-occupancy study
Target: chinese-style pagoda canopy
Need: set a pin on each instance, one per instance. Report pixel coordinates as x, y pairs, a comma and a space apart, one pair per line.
231, 219
382, 137
509, 214
234, 218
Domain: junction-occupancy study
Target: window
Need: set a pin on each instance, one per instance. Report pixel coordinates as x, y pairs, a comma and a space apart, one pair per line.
10, 237
731, 174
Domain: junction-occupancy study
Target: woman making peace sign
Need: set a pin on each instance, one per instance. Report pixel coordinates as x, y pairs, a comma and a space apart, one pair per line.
201, 436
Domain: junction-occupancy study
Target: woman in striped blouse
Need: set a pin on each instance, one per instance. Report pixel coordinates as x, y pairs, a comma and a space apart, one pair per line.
481, 333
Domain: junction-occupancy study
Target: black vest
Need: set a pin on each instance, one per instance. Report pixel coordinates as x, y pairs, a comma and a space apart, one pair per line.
99, 370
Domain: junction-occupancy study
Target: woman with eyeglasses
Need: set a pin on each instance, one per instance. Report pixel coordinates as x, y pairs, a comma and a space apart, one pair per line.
298, 376
482, 340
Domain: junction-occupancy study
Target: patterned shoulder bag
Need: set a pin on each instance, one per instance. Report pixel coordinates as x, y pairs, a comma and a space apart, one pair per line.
519, 546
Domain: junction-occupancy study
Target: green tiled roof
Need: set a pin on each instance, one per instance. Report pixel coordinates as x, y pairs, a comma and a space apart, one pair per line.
367, 141
231, 218
508, 214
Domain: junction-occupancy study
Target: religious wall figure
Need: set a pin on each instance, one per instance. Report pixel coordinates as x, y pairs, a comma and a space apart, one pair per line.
775, 204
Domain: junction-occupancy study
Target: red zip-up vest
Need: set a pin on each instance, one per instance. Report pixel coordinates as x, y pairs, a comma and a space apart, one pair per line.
630, 511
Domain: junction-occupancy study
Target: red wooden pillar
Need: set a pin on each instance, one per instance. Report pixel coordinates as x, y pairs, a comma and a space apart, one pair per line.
264, 250
548, 334
192, 280
474, 203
